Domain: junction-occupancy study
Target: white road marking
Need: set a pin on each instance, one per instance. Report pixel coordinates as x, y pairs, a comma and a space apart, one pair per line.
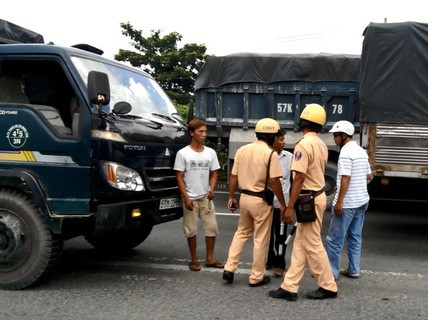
227, 214
244, 268
397, 274
162, 266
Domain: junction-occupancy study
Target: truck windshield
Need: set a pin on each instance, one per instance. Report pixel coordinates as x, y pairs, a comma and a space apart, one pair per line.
146, 97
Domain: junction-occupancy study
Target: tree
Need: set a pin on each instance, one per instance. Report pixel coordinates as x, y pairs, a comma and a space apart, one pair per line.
174, 68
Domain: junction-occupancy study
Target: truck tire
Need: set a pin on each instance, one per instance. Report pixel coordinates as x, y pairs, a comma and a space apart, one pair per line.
28, 249
117, 241
330, 176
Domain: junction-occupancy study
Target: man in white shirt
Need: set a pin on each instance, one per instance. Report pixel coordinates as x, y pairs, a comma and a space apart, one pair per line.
350, 202
196, 168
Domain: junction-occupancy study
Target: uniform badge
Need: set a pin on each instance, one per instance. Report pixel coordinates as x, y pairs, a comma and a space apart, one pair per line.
297, 156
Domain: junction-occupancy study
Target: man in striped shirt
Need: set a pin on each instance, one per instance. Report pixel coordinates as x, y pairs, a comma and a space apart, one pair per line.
350, 202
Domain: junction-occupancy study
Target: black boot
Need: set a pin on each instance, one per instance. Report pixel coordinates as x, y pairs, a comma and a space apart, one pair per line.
321, 294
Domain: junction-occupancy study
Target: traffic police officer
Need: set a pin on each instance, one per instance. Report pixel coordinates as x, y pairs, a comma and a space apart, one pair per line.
250, 172
310, 158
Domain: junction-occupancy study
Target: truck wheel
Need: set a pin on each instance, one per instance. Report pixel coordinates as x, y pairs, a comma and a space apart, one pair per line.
28, 249
121, 240
330, 182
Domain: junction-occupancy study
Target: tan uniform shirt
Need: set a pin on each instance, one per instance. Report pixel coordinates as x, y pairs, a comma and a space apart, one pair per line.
250, 166
305, 161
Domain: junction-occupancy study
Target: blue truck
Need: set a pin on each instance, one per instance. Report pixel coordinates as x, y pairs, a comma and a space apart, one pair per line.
233, 92
87, 147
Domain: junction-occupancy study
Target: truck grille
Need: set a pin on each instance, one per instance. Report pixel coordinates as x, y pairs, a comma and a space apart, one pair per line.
402, 145
160, 178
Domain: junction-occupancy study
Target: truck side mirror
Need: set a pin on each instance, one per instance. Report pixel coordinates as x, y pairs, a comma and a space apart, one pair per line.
98, 88
191, 111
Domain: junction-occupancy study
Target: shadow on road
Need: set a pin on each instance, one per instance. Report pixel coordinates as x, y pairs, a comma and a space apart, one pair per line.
405, 207
402, 224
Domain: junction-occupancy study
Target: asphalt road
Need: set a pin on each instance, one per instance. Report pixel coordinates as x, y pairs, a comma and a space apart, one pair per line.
153, 281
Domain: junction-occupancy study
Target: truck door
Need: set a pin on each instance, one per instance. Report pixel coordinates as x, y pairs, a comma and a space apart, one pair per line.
44, 132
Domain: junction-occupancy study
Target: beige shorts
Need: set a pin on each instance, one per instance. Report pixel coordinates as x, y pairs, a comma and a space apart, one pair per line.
205, 210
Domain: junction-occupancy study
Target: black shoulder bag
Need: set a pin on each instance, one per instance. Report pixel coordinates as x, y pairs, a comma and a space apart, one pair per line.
268, 193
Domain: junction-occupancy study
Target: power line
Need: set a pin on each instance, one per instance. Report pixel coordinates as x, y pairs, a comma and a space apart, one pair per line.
303, 36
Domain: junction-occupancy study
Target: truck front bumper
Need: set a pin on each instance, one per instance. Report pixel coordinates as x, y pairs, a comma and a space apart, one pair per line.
118, 216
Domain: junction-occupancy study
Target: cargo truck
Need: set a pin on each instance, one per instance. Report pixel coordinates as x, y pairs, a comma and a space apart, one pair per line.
394, 108
233, 92
87, 147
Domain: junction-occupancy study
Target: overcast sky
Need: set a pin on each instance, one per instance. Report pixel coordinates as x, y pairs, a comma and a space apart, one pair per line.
223, 26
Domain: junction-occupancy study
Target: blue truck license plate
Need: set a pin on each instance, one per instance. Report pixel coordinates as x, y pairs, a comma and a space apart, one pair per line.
169, 203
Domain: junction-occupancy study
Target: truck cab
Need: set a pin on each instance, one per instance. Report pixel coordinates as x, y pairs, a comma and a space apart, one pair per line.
87, 147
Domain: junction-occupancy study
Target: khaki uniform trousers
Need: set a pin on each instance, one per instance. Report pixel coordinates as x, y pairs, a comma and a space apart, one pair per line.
308, 248
255, 217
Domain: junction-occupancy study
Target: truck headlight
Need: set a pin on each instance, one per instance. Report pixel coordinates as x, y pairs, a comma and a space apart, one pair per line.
107, 135
122, 177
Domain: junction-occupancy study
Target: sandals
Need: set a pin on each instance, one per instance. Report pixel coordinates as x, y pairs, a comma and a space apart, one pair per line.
215, 264
345, 272
194, 266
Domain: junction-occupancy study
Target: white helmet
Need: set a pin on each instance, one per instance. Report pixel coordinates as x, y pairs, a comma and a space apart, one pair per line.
343, 126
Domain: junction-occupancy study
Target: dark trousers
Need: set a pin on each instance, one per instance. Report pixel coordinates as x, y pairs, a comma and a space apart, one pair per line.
275, 260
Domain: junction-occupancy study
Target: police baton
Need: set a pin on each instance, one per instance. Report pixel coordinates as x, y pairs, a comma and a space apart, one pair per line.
291, 234
281, 233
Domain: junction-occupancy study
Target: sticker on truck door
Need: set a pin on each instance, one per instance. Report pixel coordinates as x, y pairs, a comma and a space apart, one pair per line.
17, 135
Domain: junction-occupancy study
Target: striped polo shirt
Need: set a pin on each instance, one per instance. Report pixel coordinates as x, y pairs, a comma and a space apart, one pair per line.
353, 162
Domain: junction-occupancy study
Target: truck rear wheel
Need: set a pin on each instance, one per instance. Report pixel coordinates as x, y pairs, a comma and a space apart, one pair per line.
28, 249
121, 240
330, 176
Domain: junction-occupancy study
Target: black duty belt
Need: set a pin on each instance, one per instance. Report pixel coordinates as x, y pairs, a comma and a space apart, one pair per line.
312, 192
253, 193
